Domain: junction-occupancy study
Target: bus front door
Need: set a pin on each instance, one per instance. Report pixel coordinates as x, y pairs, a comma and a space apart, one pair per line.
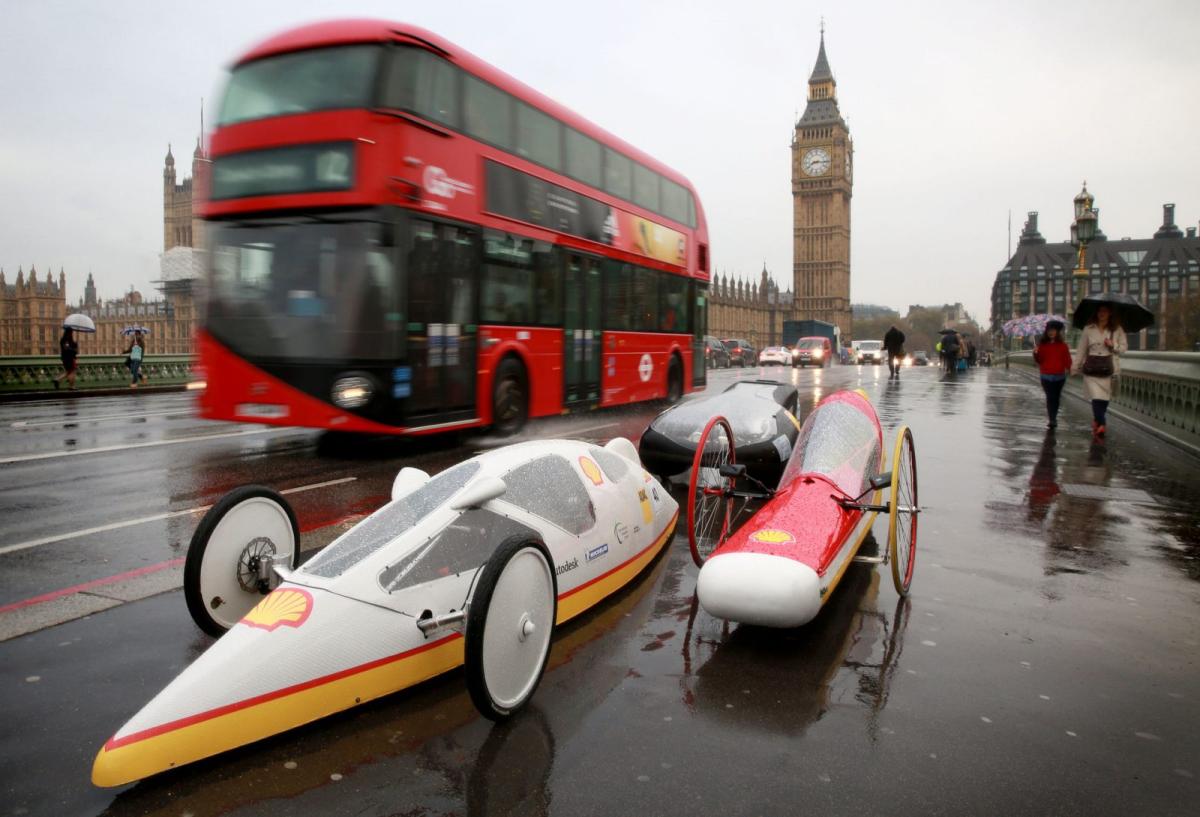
581, 328
442, 334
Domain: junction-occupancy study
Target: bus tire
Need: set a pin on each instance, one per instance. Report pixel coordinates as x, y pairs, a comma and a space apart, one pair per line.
674, 380
510, 397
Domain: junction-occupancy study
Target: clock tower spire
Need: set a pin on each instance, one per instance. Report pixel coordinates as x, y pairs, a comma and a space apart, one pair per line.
822, 166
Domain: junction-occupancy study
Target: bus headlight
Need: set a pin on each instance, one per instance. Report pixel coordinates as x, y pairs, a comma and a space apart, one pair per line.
352, 391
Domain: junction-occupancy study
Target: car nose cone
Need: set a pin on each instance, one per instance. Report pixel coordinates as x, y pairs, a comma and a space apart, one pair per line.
759, 588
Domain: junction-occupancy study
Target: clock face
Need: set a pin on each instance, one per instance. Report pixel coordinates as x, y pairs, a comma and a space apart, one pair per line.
815, 162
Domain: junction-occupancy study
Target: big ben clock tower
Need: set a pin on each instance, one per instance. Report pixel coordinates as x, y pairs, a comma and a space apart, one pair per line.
822, 167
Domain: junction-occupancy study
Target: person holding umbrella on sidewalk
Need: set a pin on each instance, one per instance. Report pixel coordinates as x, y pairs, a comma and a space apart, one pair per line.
68, 347
1053, 357
135, 354
1103, 319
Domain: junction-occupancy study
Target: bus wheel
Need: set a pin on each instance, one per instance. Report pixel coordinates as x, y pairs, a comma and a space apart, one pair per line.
510, 406
674, 380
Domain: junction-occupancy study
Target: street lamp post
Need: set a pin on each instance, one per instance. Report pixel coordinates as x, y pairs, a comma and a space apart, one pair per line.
1083, 230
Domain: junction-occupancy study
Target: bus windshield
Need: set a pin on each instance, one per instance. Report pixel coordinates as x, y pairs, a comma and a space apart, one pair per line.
301, 82
304, 288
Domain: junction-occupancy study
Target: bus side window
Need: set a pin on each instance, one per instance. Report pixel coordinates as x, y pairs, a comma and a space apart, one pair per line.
489, 112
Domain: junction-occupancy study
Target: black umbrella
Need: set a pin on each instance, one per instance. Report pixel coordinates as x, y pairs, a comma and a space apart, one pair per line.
1132, 316
947, 331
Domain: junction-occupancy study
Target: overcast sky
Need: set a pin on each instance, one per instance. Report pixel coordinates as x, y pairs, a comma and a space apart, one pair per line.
960, 112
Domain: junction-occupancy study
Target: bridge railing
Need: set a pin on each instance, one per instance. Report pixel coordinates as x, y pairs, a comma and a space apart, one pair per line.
37, 372
1162, 388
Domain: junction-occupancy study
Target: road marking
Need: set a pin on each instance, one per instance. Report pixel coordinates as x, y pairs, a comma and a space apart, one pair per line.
591, 428
155, 518
31, 423
79, 588
126, 446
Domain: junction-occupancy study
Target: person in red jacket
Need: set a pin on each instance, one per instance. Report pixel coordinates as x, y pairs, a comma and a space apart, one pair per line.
1053, 357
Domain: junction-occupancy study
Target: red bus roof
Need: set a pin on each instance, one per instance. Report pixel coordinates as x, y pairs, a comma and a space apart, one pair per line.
343, 32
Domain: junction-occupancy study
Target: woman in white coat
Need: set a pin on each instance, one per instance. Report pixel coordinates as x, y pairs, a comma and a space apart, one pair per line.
1097, 358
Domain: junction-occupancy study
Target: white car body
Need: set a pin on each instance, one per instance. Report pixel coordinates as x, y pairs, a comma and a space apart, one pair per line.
775, 354
871, 351
342, 628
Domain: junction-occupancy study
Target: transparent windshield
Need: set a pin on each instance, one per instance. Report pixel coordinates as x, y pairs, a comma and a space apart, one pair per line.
870, 346
324, 79
389, 522
811, 343
465, 544
840, 442
752, 409
316, 290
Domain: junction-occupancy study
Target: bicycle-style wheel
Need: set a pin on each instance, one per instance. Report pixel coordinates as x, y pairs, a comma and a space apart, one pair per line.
710, 499
902, 516
509, 626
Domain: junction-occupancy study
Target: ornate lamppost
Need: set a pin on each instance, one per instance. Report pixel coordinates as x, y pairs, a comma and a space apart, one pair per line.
1083, 230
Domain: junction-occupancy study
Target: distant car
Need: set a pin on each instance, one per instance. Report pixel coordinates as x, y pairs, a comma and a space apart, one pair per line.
740, 351
775, 355
919, 358
813, 351
716, 356
871, 351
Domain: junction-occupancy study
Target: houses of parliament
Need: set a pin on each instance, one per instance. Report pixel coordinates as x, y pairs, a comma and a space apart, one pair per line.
822, 182
34, 304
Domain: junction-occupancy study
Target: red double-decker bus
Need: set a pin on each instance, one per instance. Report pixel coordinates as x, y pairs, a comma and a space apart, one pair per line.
403, 239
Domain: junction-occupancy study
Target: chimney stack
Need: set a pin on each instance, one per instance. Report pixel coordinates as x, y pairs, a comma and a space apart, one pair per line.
1168, 228
1191, 232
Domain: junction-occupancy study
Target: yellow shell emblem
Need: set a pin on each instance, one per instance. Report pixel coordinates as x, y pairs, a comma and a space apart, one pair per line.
591, 470
772, 536
289, 607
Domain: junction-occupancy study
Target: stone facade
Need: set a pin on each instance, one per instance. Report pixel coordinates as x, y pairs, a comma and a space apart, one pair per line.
182, 225
822, 179
1161, 272
740, 309
31, 313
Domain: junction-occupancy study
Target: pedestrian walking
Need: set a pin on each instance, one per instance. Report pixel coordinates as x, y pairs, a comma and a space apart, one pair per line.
950, 346
133, 359
1053, 358
1097, 359
68, 352
893, 344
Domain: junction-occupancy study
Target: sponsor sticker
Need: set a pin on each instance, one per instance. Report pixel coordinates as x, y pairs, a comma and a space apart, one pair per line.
647, 511
288, 607
596, 552
621, 532
772, 536
591, 470
566, 567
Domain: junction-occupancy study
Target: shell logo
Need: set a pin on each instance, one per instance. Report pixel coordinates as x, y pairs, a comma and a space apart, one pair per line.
284, 607
591, 470
772, 536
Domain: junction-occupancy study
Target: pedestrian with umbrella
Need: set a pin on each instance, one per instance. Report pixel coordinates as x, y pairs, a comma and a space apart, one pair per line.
68, 347
1103, 319
1053, 357
950, 344
135, 353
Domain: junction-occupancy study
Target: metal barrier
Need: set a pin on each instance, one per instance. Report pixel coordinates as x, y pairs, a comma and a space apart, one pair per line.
1161, 387
37, 373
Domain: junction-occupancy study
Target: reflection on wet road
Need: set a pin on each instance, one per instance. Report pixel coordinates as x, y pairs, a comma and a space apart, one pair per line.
1045, 663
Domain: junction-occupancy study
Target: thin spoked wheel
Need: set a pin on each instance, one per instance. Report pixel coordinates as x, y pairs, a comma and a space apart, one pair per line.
904, 511
710, 493
509, 625
229, 561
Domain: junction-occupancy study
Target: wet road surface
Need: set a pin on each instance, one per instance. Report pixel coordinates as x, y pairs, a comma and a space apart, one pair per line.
1045, 663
